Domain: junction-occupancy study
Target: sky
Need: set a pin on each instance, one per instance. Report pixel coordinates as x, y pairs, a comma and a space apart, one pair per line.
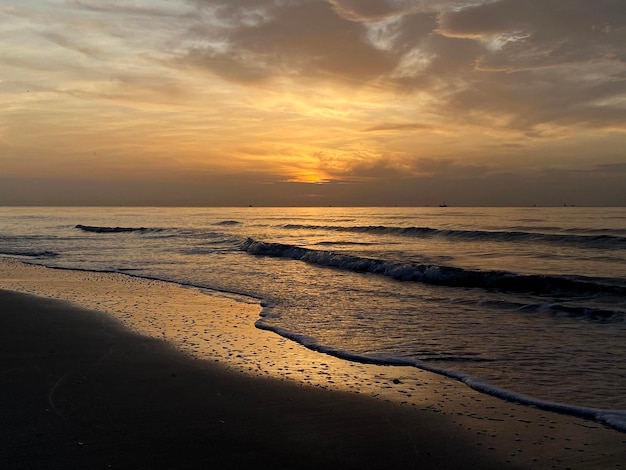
313, 102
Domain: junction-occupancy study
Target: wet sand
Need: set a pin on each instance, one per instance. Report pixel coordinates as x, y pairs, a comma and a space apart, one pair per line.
171, 377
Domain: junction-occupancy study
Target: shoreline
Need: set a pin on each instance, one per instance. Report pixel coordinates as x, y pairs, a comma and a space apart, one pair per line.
216, 332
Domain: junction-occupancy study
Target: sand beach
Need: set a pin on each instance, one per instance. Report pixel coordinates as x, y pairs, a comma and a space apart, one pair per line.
104, 370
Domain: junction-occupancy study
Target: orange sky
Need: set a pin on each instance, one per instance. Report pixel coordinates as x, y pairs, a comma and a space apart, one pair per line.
307, 102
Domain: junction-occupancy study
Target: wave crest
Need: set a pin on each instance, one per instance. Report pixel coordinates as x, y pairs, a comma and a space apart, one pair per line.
449, 276
599, 239
95, 229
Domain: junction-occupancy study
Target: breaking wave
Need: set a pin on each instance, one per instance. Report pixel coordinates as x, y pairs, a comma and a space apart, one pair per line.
228, 222
612, 418
95, 229
449, 276
595, 239
31, 253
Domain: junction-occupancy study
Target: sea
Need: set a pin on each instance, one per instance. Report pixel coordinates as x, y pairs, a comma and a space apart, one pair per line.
527, 304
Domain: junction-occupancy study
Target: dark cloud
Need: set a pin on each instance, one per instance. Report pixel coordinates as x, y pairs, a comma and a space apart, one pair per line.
379, 170
612, 168
367, 9
544, 62
522, 62
542, 33
386, 181
362, 9
389, 168
302, 39
531, 98
450, 168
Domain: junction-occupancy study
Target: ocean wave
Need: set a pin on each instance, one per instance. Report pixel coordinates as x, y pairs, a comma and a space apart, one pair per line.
345, 243
95, 229
448, 276
589, 313
596, 231
601, 240
612, 418
31, 253
228, 222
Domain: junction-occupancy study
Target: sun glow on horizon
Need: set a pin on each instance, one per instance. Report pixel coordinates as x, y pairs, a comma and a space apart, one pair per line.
420, 96
310, 177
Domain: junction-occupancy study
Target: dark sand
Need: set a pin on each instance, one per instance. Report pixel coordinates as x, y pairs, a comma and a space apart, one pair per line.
79, 391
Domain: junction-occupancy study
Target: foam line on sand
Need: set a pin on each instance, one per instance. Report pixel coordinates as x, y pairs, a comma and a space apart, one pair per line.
171, 368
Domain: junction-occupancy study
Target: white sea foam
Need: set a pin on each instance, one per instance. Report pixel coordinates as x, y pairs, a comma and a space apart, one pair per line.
612, 418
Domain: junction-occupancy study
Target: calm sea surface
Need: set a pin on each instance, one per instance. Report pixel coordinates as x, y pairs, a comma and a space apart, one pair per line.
519, 302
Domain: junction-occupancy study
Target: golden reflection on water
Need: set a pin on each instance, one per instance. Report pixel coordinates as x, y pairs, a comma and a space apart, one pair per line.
220, 328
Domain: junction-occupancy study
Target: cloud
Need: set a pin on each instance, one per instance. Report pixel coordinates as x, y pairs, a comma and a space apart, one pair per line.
310, 90
530, 34
391, 127
65, 42
299, 39
376, 10
611, 168
382, 169
514, 63
387, 43
405, 167
141, 9
359, 10
545, 62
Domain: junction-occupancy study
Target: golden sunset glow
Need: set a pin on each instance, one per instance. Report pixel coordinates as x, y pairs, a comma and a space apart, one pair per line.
493, 102
310, 177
